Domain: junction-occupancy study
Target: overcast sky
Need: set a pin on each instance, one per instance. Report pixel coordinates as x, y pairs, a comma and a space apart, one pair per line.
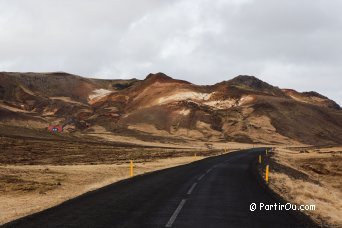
288, 43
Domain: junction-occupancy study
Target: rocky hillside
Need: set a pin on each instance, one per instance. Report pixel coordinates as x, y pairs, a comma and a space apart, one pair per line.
243, 109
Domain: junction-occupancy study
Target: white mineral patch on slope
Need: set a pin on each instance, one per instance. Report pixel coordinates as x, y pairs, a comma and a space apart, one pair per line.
49, 111
66, 99
228, 103
98, 94
221, 104
185, 96
13, 109
297, 98
204, 98
245, 99
306, 99
184, 112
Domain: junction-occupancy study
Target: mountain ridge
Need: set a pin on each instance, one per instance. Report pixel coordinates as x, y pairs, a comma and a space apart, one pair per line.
242, 109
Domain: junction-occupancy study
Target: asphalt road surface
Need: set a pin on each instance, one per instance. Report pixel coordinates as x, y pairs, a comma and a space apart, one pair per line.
213, 192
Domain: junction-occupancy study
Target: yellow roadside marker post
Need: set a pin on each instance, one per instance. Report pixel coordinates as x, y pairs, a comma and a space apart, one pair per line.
266, 174
131, 168
195, 155
259, 159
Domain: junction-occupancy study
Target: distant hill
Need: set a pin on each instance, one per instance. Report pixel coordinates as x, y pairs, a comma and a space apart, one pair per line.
243, 109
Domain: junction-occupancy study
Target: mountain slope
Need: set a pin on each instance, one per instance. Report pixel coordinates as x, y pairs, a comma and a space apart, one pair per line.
243, 109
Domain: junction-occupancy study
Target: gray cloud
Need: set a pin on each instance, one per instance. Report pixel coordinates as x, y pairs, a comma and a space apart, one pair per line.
293, 44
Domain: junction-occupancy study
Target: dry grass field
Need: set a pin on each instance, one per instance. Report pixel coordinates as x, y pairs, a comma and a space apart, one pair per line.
38, 173
25, 189
310, 175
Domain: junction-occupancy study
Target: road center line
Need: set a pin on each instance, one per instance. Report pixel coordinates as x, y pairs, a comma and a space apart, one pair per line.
200, 178
192, 188
209, 170
175, 214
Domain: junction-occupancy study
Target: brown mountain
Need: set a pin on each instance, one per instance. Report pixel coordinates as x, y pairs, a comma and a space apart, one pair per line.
244, 109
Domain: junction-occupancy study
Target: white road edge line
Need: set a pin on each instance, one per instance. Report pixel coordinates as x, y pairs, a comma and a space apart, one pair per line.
209, 170
175, 214
200, 178
192, 188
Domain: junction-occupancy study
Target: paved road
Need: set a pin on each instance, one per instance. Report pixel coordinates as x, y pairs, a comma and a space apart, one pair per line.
214, 192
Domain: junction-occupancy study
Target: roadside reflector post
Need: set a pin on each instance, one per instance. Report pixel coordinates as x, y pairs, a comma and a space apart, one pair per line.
259, 159
266, 151
195, 155
266, 174
131, 168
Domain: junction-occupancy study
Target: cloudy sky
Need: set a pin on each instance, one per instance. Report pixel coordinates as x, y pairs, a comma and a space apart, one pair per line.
290, 44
